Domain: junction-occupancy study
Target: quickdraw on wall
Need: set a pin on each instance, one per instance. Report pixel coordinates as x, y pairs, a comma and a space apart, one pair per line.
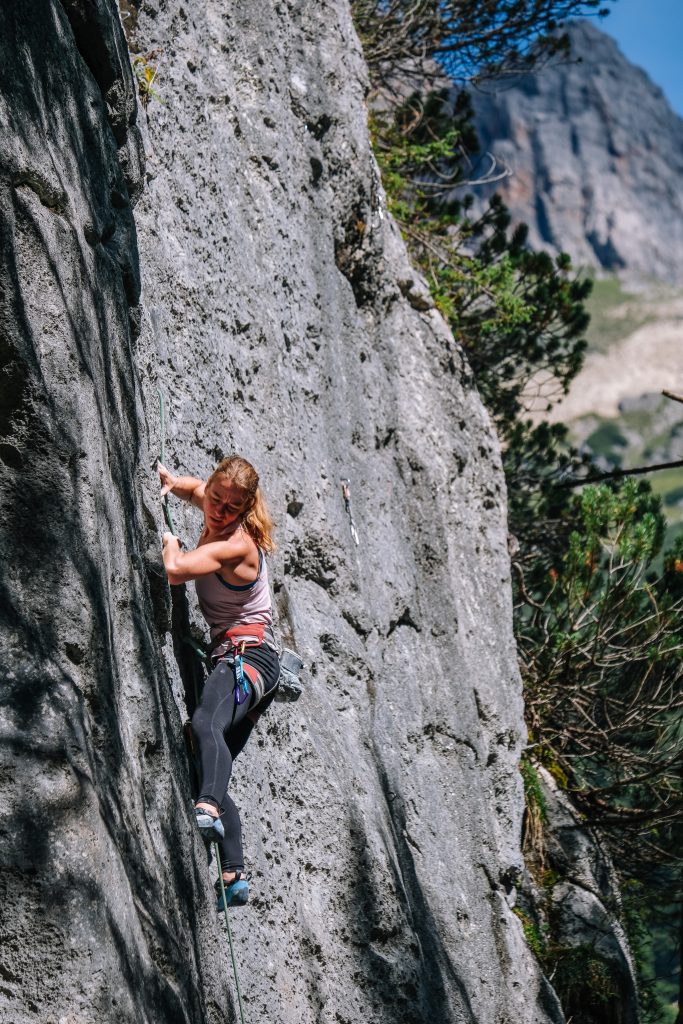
346, 494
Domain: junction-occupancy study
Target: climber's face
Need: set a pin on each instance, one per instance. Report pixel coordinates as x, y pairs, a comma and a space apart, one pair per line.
224, 503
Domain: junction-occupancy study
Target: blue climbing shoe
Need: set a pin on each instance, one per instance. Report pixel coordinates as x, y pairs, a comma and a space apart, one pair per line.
211, 828
236, 892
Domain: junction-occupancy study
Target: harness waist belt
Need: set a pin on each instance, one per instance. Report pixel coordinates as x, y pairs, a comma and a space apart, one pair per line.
251, 634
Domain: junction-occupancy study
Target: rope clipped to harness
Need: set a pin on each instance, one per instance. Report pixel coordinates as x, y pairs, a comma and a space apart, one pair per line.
227, 921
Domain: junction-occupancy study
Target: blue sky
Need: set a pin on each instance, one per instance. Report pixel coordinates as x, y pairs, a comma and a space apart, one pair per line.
650, 34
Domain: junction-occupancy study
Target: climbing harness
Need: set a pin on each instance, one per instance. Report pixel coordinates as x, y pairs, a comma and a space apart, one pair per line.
227, 921
288, 686
346, 494
238, 638
248, 634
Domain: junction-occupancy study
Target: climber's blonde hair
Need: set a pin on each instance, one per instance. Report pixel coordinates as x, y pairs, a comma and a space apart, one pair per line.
255, 515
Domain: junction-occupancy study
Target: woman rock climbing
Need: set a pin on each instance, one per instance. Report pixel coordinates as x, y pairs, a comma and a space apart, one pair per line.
231, 580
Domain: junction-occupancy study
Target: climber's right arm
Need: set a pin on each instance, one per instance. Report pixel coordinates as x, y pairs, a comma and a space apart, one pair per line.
189, 488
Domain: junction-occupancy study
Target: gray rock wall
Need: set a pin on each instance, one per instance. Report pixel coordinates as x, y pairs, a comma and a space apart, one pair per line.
579, 913
96, 843
281, 319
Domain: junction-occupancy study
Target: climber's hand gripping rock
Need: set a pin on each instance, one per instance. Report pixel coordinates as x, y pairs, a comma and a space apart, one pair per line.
168, 481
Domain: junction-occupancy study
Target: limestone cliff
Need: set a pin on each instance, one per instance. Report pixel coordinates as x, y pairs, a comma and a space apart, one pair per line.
264, 289
596, 155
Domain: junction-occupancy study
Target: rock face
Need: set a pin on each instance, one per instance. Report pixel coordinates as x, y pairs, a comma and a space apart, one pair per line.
579, 908
596, 155
268, 295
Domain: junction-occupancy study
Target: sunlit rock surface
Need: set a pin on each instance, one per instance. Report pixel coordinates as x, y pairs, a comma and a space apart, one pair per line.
264, 290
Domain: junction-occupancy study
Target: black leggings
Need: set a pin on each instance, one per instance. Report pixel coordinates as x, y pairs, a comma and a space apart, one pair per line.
221, 729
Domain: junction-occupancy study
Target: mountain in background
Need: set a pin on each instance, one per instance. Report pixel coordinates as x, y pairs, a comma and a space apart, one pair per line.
596, 155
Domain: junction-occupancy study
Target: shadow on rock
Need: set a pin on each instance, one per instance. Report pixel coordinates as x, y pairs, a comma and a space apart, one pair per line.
411, 971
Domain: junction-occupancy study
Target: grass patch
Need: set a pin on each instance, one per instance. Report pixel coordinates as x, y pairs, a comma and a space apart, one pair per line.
668, 484
614, 312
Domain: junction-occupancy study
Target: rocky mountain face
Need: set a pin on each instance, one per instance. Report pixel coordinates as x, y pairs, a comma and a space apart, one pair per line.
261, 286
573, 899
596, 159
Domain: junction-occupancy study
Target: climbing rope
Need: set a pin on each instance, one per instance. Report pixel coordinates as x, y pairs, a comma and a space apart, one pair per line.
227, 921
162, 415
189, 641
194, 645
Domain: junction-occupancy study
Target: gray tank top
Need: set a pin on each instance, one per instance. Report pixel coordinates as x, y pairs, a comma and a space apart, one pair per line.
224, 605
